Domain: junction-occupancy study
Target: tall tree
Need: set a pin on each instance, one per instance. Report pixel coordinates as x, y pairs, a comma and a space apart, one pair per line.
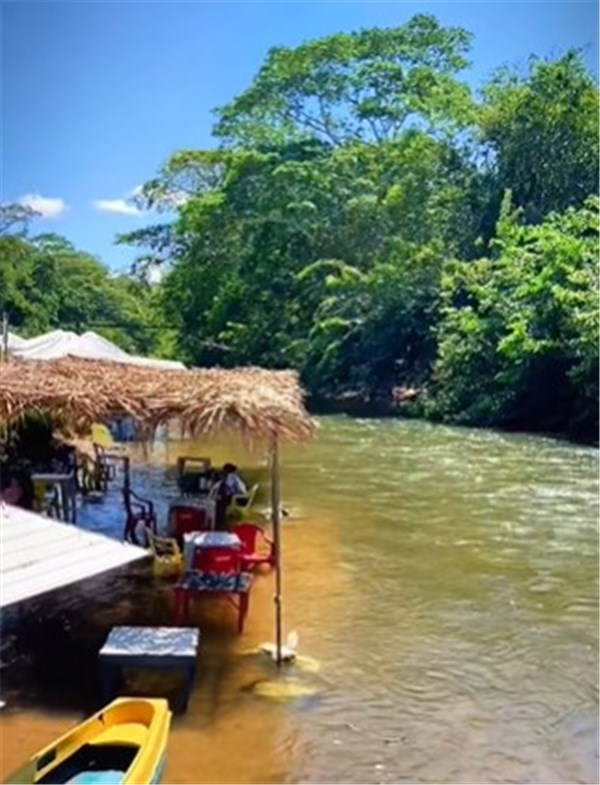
366, 86
542, 131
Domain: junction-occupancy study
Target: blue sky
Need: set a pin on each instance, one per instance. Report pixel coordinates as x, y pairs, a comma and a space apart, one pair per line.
95, 96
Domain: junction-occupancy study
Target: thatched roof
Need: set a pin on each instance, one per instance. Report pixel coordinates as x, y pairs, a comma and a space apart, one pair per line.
257, 403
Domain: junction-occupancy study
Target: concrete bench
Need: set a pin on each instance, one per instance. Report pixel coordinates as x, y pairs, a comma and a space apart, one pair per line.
149, 648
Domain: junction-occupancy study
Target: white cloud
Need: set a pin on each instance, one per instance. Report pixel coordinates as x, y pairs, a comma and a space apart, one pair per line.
46, 206
129, 205
126, 206
120, 206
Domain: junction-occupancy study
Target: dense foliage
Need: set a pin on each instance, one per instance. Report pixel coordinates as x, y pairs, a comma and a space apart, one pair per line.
367, 219
518, 337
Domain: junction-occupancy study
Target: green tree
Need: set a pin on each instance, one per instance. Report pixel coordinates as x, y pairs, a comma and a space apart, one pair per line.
519, 332
15, 219
362, 86
349, 224
373, 330
233, 291
46, 283
542, 131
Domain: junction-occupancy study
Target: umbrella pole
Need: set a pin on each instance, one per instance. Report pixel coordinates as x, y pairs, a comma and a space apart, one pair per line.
276, 522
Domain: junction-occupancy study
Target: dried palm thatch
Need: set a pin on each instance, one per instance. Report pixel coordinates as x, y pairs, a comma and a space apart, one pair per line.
257, 403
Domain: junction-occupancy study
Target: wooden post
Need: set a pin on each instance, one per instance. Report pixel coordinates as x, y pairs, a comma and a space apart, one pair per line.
276, 522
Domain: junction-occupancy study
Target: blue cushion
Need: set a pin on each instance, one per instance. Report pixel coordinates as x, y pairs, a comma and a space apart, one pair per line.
107, 777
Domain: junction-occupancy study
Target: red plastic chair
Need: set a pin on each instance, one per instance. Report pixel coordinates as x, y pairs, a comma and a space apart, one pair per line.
217, 560
250, 536
184, 520
137, 510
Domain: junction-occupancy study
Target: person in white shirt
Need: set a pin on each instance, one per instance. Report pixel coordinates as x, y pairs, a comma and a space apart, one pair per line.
230, 485
233, 483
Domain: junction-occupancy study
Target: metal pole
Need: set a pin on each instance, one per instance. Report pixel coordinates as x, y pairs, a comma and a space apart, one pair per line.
4, 335
126, 473
276, 522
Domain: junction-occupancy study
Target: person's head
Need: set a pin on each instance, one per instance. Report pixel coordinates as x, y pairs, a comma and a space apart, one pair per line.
17, 489
229, 468
12, 490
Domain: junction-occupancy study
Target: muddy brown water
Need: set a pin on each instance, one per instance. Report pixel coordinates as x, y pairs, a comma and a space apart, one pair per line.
446, 581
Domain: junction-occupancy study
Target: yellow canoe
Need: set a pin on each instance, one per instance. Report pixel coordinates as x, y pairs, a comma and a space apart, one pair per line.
125, 742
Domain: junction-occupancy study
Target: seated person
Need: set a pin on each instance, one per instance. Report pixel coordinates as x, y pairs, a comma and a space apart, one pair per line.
231, 485
232, 481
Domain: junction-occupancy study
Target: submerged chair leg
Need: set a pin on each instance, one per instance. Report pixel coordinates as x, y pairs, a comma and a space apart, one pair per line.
244, 601
181, 604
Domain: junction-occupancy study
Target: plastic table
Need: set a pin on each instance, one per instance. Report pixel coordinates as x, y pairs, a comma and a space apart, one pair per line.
235, 588
195, 540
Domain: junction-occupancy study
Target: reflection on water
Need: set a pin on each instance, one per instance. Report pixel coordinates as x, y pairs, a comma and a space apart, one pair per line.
446, 580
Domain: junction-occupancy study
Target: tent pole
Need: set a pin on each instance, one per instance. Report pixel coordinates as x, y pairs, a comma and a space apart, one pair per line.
276, 522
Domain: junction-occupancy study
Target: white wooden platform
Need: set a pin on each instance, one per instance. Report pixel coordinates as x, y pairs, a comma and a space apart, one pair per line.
38, 555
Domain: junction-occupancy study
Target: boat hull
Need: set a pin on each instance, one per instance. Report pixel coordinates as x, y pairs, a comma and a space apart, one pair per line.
159, 771
124, 743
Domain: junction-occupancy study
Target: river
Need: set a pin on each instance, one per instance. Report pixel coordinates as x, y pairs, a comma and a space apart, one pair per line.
445, 581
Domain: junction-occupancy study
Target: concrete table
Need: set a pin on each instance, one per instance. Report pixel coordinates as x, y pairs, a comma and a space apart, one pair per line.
149, 647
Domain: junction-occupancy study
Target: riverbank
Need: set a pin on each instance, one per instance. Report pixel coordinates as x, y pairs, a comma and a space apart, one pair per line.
410, 407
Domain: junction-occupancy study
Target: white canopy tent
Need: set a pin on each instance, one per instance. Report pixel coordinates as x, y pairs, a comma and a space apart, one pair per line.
15, 342
38, 555
89, 346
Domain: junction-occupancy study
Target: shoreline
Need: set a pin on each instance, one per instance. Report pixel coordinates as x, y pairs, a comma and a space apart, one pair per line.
364, 409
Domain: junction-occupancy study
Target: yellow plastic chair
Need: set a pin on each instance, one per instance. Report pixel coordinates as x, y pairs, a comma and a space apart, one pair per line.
102, 436
168, 559
44, 499
241, 503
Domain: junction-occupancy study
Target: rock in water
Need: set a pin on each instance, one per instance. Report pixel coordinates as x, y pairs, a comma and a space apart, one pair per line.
283, 690
288, 652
